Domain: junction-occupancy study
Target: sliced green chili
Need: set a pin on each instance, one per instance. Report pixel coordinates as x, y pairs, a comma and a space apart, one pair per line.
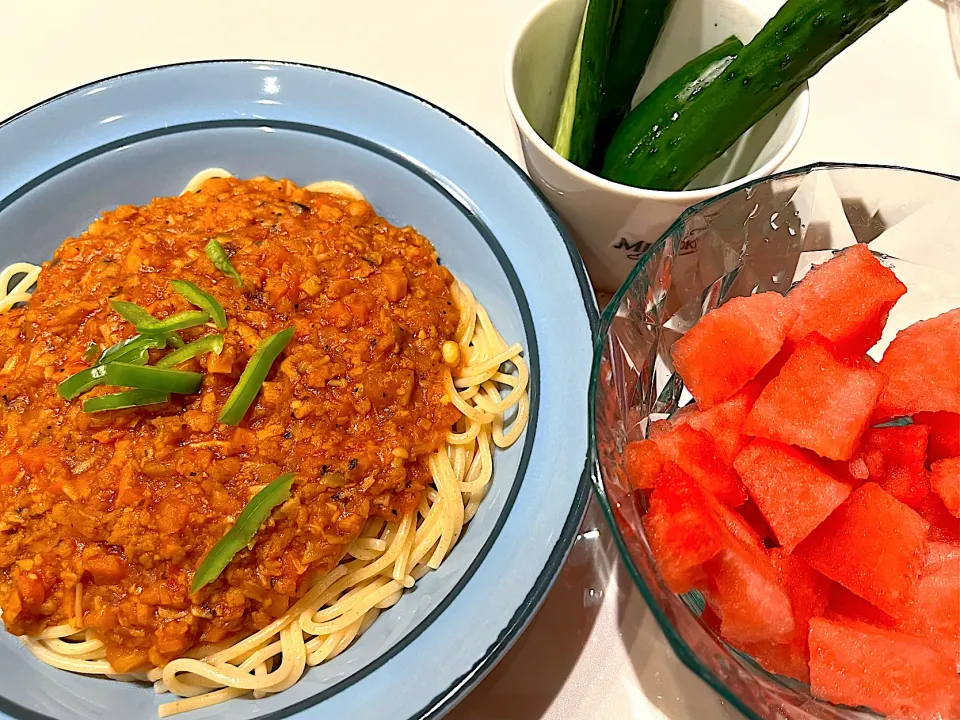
218, 256
117, 351
180, 321
131, 312
122, 400
79, 383
90, 353
253, 515
153, 378
253, 376
203, 300
207, 344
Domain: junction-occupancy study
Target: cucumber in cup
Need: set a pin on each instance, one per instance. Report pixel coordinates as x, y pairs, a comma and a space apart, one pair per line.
671, 97
580, 107
799, 40
637, 30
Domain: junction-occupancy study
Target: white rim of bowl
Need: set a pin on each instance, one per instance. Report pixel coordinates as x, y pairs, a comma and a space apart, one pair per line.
691, 196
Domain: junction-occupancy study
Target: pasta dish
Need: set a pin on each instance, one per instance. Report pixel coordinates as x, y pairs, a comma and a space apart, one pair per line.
235, 426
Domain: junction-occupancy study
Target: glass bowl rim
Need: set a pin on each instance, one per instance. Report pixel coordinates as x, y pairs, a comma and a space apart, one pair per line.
679, 646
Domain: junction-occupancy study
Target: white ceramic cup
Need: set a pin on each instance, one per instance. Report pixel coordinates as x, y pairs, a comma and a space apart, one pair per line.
612, 223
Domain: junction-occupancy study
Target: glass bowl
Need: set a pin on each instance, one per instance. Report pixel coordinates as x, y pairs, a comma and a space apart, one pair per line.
759, 237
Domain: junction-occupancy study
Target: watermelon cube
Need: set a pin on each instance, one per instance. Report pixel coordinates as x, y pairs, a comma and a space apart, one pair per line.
737, 526
752, 516
744, 591
794, 492
724, 422
944, 434
846, 300
945, 481
895, 458
923, 364
845, 605
809, 592
944, 526
696, 453
855, 664
873, 545
682, 529
935, 616
821, 400
728, 346
643, 463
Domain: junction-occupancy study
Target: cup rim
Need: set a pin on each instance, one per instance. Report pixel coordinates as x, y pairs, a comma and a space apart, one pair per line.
687, 196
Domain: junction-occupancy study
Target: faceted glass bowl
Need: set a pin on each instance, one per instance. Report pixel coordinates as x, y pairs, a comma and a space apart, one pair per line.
760, 237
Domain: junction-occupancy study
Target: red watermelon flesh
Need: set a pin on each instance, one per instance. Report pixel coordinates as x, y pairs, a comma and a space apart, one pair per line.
738, 526
682, 529
855, 664
896, 460
809, 592
944, 527
728, 346
724, 422
793, 491
945, 481
935, 615
873, 545
643, 463
696, 453
846, 299
744, 591
758, 523
845, 605
944, 434
821, 400
660, 427
923, 364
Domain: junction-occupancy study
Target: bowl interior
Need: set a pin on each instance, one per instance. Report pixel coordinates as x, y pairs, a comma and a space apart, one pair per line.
761, 237
546, 46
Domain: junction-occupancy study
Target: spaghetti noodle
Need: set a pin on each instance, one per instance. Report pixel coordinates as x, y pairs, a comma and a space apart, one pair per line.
486, 380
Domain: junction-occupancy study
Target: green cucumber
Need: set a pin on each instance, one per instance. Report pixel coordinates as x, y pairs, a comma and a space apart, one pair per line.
580, 107
638, 27
800, 39
670, 98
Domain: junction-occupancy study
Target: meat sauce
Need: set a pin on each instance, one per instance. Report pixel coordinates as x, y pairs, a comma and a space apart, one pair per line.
126, 503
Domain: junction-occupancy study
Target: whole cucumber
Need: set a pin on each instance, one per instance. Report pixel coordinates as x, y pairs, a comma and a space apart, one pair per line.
580, 106
670, 98
634, 38
799, 40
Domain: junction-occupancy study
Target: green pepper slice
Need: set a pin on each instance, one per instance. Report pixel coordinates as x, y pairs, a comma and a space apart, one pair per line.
115, 351
81, 382
131, 312
90, 353
218, 256
253, 376
153, 378
123, 400
253, 515
203, 300
207, 344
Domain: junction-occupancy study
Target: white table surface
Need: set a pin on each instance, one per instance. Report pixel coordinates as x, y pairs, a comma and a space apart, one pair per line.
593, 651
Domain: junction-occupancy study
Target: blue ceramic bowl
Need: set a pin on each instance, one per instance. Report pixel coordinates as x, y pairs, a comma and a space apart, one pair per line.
134, 137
